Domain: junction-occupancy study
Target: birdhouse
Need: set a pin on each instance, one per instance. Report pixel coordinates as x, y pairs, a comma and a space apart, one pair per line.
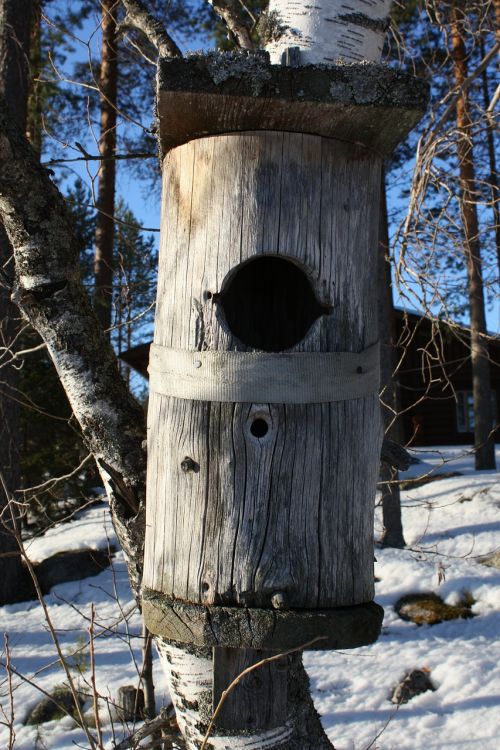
264, 427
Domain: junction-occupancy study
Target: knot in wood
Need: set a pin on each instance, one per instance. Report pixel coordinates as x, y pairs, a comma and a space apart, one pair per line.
189, 464
278, 600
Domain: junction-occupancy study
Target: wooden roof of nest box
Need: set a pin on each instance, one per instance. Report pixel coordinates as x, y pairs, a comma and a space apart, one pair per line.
365, 103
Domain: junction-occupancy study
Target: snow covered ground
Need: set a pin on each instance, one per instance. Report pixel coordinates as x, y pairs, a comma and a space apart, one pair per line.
449, 524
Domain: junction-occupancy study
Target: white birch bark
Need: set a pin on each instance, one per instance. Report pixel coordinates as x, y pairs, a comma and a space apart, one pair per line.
330, 31
189, 679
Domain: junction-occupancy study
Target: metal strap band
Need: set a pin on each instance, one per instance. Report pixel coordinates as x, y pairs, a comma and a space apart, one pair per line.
264, 378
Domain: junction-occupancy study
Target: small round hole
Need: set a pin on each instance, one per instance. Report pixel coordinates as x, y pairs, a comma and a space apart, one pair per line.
205, 586
269, 303
259, 428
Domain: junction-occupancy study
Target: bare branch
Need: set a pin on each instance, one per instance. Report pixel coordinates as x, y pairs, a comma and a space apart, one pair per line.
50, 483
151, 27
71, 682
96, 157
233, 14
162, 722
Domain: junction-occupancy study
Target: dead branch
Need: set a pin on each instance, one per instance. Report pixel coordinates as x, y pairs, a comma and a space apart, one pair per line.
233, 15
161, 723
151, 27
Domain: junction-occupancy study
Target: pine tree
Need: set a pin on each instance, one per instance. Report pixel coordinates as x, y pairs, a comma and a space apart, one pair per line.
135, 282
483, 417
104, 237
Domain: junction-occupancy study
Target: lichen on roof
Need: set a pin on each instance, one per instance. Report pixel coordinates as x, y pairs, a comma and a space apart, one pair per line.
254, 66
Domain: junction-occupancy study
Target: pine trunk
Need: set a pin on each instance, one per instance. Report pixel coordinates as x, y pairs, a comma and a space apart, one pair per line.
104, 238
35, 96
14, 48
483, 413
490, 139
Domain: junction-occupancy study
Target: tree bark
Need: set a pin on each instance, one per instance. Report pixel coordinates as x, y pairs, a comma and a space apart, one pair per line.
392, 535
189, 674
483, 413
104, 237
490, 140
153, 29
236, 19
34, 102
147, 674
327, 31
14, 51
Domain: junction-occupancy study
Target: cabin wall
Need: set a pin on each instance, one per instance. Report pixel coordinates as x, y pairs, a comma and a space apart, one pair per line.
436, 371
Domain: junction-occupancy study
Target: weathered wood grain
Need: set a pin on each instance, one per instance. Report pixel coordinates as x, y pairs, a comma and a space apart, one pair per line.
222, 93
259, 700
253, 628
286, 519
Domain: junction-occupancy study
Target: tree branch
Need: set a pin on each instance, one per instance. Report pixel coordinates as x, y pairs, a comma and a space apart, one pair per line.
233, 15
152, 27
48, 291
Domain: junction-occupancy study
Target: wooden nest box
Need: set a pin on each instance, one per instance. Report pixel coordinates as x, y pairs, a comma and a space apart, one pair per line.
264, 419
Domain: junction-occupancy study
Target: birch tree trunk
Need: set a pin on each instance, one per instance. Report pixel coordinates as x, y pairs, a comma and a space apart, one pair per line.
328, 31
190, 676
14, 51
481, 383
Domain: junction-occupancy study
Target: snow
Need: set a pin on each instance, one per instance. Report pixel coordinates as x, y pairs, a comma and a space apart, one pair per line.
449, 525
91, 530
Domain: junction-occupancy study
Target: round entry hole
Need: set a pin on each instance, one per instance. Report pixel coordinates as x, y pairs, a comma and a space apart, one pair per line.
268, 303
259, 428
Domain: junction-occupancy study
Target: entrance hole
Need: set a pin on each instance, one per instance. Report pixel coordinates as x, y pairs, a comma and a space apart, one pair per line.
269, 304
259, 428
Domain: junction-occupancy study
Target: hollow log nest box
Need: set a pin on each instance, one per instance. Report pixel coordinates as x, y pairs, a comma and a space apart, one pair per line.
264, 419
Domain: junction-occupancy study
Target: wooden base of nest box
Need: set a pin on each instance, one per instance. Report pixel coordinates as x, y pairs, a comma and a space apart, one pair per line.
279, 630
